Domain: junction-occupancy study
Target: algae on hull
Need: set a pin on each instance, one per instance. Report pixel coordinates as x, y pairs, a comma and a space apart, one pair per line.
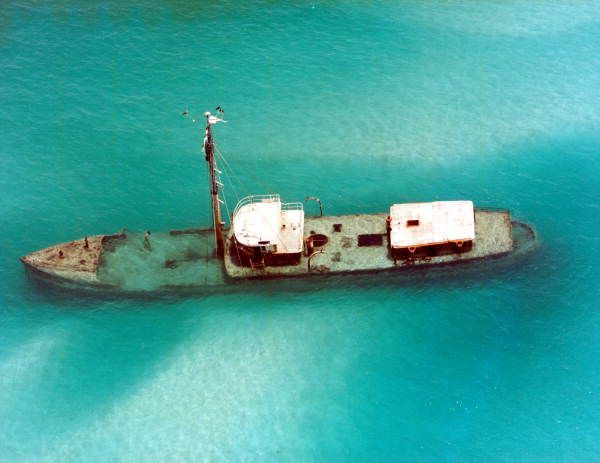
185, 260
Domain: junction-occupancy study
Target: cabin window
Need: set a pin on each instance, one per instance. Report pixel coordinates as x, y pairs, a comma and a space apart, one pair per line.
268, 248
412, 223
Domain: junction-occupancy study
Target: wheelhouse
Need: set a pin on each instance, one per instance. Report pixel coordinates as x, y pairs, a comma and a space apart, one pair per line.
267, 231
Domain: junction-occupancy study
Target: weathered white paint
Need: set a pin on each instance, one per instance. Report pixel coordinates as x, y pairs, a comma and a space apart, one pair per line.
438, 222
267, 222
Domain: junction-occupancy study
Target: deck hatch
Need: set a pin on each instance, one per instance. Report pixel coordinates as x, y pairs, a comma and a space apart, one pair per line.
371, 239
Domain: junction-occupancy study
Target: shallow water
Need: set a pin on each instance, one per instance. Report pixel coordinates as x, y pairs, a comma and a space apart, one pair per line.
362, 105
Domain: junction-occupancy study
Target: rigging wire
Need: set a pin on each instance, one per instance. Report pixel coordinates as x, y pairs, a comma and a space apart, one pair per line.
227, 168
209, 198
232, 174
236, 179
258, 180
229, 215
337, 199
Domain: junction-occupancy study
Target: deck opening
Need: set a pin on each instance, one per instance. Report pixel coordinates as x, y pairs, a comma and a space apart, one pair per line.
373, 239
317, 240
337, 227
412, 223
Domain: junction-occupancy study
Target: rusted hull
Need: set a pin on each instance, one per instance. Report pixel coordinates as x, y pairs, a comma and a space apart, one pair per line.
347, 250
184, 261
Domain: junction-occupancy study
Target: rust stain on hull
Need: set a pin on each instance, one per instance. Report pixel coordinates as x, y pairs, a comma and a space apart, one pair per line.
74, 259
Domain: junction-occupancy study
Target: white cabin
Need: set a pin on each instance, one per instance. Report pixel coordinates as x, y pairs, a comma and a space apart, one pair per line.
414, 225
263, 221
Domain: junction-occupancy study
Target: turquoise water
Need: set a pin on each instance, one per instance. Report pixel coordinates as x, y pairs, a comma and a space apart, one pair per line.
362, 104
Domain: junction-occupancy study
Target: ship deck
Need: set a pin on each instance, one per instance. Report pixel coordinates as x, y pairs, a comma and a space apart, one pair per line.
72, 260
176, 259
343, 254
186, 259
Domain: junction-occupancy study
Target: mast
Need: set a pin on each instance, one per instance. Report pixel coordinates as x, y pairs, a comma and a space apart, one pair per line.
209, 151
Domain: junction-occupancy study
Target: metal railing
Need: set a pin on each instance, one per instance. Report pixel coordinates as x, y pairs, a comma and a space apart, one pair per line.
490, 209
251, 199
296, 206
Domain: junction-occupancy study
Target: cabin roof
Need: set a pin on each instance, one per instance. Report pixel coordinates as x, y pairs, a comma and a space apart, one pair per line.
422, 224
264, 221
